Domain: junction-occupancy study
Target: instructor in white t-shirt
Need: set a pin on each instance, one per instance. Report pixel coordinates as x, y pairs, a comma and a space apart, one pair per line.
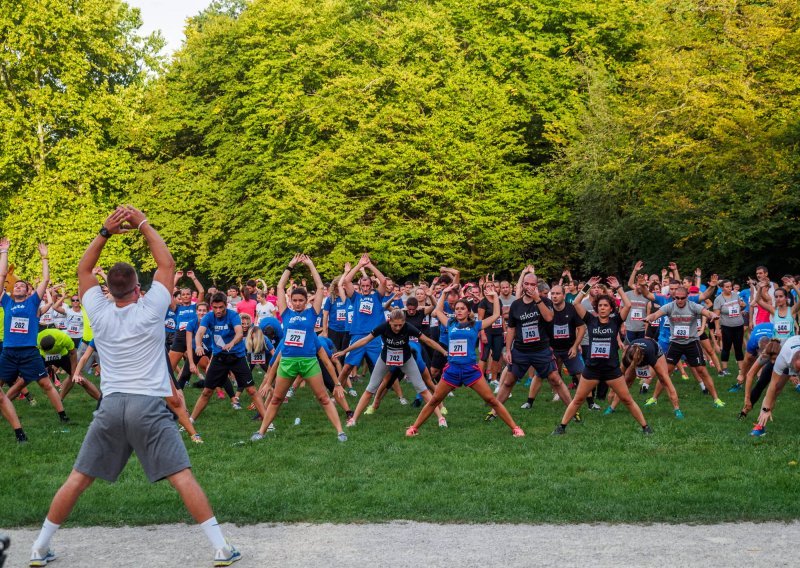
132, 415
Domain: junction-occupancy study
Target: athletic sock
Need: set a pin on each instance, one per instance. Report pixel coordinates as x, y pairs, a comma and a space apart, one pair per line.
563, 426
19, 433
213, 533
530, 401
349, 413
62, 414
47, 532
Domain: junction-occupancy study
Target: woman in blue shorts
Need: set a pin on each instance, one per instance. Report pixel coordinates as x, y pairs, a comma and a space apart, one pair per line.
462, 364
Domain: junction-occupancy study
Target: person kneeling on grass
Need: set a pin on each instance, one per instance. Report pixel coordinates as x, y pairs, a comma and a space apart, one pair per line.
462, 368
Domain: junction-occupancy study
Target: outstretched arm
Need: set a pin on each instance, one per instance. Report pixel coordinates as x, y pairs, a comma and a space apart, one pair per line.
40, 290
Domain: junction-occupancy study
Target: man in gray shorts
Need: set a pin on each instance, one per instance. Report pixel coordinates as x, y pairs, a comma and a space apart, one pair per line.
132, 416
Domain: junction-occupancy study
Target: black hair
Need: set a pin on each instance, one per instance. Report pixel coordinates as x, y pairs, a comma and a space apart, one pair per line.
218, 297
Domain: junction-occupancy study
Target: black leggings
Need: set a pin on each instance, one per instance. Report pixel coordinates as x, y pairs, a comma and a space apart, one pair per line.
732, 336
763, 382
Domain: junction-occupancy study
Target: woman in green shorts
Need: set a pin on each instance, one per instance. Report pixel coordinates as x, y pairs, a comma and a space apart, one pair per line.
299, 350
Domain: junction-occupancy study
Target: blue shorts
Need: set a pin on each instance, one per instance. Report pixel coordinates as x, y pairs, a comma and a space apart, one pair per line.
542, 361
756, 335
417, 351
631, 335
457, 375
25, 362
372, 350
574, 366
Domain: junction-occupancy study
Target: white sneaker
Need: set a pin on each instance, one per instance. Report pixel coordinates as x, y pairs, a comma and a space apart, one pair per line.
226, 555
556, 398
352, 392
290, 393
271, 427
527, 405
403, 401
41, 557
255, 438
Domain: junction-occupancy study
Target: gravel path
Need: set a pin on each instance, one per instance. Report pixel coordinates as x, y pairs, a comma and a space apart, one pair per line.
409, 544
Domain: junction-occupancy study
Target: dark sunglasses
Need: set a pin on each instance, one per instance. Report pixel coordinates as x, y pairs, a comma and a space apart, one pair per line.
76, 299
679, 297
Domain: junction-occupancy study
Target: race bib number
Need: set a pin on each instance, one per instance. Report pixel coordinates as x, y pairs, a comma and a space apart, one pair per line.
681, 331
458, 347
47, 318
341, 315
530, 333
318, 322
733, 309
561, 331
349, 317
51, 358
19, 325
296, 337
182, 325
426, 320
394, 357
258, 358
782, 327
170, 323
73, 328
600, 351
656, 323
643, 372
637, 314
434, 322
365, 308
497, 324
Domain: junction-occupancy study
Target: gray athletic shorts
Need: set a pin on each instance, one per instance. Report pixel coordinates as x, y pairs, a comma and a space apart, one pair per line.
126, 423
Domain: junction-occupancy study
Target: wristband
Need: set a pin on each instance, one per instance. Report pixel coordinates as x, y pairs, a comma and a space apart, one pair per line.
45, 257
338, 384
139, 226
765, 409
539, 301
105, 233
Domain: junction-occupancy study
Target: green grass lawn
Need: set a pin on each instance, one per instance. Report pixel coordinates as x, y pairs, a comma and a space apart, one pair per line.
702, 469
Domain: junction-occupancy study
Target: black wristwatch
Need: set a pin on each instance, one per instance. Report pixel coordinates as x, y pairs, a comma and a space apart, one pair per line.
103, 232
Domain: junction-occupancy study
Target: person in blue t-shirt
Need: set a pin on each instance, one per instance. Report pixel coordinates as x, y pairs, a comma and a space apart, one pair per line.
462, 368
20, 358
299, 350
6, 406
334, 310
228, 354
367, 314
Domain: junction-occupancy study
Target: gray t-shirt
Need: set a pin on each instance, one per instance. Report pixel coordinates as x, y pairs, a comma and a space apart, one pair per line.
587, 305
637, 313
730, 311
682, 321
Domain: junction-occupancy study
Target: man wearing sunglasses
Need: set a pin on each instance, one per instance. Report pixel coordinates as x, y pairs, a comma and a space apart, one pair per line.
683, 314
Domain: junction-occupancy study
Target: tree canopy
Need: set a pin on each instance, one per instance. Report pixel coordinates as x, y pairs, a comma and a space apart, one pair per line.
481, 134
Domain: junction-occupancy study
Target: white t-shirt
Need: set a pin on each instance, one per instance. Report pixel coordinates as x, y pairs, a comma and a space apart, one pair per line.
783, 364
265, 311
131, 340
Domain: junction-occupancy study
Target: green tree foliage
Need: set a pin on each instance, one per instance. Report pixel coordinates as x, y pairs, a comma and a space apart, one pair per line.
694, 147
71, 75
412, 130
477, 134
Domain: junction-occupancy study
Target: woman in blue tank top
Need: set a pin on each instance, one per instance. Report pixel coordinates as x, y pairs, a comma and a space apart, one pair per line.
462, 366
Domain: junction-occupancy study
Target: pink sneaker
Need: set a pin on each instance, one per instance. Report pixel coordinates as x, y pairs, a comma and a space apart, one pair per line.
412, 431
517, 432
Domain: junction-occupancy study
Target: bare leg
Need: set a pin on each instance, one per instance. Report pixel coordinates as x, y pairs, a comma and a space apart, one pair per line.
318, 387
282, 385
442, 390
192, 495
618, 385
66, 497
585, 388
8, 411
485, 393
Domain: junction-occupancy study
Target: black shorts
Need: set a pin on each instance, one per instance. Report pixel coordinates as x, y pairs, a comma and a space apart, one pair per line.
601, 375
692, 351
438, 361
494, 344
62, 363
340, 339
179, 342
224, 363
168, 340
326, 377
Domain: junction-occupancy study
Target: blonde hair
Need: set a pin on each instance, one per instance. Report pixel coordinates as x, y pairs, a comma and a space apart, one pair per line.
255, 340
397, 314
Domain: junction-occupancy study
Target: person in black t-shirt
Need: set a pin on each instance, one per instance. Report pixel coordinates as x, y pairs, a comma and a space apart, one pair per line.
603, 362
492, 338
